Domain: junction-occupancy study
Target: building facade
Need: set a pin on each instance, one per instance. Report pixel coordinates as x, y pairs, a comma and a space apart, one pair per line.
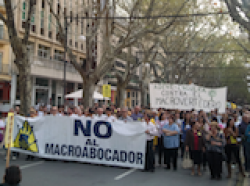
47, 56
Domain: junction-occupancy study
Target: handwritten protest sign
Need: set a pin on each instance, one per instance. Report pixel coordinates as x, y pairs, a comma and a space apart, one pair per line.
187, 97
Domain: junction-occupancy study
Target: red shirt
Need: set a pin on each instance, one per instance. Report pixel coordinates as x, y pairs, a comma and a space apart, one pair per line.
196, 141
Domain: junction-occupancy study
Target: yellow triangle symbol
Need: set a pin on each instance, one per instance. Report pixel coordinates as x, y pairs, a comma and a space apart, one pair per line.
25, 138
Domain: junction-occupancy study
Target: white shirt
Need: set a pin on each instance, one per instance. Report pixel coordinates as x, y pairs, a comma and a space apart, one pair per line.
152, 131
110, 118
100, 117
179, 122
74, 115
2, 124
40, 113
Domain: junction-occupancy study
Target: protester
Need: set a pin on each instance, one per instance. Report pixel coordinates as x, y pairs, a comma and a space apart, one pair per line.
137, 116
151, 132
17, 110
109, 117
232, 147
247, 147
160, 124
216, 142
196, 145
61, 111
100, 114
186, 125
125, 116
54, 111
12, 176
242, 131
171, 142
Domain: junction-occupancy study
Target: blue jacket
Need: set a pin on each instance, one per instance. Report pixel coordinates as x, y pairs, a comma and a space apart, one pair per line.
184, 129
247, 134
172, 141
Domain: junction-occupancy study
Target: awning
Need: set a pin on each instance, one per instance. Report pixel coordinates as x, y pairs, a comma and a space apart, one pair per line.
78, 94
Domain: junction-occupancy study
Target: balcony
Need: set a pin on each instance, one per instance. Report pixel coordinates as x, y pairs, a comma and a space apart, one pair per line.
4, 69
3, 35
5, 74
53, 69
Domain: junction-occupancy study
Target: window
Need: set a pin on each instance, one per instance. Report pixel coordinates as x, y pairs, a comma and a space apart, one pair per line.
49, 26
79, 86
81, 46
43, 4
58, 55
42, 82
23, 14
49, 22
42, 22
133, 94
32, 21
136, 95
133, 103
1, 31
128, 94
81, 26
24, 11
43, 51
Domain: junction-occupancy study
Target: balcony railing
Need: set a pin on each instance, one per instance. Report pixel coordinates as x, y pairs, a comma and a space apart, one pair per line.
51, 64
4, 69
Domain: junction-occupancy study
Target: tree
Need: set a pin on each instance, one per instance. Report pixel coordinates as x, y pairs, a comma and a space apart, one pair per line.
113, 43
19, 46
240, 12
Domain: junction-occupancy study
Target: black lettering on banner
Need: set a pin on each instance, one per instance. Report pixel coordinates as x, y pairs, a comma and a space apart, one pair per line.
71, 150
107, 156
64, 152
57, 150
85, 152
139, 158
115, 156
100, 154
49, 149
78, 151
131, 157
123, 156
92, 153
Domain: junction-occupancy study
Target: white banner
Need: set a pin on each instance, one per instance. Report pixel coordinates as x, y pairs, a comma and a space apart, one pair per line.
82, 139
187, 97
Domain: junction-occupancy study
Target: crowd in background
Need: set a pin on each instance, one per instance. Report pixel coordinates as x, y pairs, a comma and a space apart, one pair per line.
209, 139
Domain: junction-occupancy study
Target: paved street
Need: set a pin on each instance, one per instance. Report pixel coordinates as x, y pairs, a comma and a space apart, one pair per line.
50, 173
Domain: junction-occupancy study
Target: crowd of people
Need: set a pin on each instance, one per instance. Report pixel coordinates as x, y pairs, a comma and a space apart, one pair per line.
209, 139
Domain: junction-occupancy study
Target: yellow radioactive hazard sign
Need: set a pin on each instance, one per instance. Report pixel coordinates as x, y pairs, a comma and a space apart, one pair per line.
25, 138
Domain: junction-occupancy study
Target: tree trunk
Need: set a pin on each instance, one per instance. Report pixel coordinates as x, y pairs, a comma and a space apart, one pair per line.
25, 87
88, 92
121, 91
143, 95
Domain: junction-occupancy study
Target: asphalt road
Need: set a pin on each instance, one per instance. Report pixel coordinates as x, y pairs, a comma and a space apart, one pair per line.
55, 173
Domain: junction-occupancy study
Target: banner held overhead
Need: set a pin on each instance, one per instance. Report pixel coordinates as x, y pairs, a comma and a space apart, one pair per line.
187, 97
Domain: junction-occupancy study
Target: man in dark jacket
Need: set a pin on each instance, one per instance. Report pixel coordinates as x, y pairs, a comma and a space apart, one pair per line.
242, 130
